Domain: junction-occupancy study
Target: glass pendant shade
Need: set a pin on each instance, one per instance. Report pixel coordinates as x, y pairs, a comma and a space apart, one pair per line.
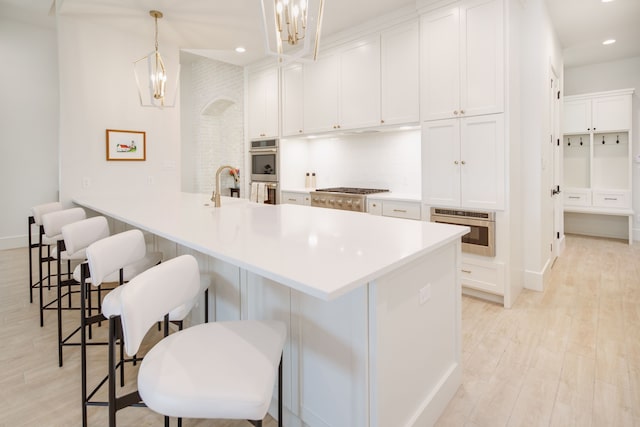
292, 28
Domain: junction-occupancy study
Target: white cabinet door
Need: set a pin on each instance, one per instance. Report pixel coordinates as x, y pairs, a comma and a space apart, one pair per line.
359, 85
400, 100
611, 113
440, 64
482, 162
441, 162
577, 116
263, 104
481, 57
292, 100
462, 60
463, 162
321, 94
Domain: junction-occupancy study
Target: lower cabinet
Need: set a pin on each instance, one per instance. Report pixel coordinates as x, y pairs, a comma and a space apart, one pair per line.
295, 198
482, 276
394, 208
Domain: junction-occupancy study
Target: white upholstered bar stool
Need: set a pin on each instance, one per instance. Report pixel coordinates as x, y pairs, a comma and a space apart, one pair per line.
76, 237
35, 220
119, 258
52, 224
222, 370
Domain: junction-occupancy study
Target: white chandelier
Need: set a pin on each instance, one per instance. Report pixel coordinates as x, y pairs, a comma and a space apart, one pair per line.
153, 93
292, 28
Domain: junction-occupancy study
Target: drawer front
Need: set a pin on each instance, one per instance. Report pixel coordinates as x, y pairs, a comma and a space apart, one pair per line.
611, 199
401, 209
374, 207
575, 198
487, 278
293, 198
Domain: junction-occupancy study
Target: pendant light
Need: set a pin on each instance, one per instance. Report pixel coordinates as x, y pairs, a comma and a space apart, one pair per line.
153, 93
292, 28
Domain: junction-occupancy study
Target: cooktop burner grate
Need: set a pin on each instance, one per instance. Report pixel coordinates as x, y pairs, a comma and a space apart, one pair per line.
352, 190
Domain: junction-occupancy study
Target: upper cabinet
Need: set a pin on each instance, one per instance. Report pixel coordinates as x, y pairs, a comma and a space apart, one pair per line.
400, 97
462, 60
320, 97
596, 114
263, 104
292, 100
359, 84
342, 89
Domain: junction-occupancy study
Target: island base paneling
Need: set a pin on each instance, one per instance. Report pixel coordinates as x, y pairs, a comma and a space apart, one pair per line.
415, 353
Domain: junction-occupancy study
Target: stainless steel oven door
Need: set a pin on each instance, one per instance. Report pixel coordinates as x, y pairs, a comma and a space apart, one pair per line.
480, 240
264, 165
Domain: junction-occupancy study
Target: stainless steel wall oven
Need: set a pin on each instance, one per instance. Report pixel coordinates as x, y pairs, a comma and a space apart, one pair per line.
265, 163
481, 240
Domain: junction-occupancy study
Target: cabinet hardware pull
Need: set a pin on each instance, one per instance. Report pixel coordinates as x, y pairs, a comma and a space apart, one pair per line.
463, 162
374, 205
292, 200
455, 112
455, 162
461, 111
400, 210
466, 271
574, 197
611, 198
382, 121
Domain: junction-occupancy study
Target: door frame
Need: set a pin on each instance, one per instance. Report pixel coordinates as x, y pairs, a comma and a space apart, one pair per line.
555, 108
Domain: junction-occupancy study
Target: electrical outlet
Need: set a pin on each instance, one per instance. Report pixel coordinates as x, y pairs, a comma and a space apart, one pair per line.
86, 182
150, 180
425, 293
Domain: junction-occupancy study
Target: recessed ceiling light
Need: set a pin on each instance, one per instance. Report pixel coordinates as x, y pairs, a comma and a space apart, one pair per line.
240, 49
606, 1
610, 41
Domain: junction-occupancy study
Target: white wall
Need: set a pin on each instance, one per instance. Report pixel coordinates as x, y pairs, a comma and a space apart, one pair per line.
540, 50
601, 77
213, 123
98, 92
374, 160
28, 123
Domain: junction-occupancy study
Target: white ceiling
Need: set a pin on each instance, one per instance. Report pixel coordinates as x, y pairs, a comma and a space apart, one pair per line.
215, 28
582, 26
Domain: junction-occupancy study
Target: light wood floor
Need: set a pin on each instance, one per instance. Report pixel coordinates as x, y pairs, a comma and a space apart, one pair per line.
568, 356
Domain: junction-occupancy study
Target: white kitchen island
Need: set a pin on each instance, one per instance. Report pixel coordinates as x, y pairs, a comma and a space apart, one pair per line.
372, 303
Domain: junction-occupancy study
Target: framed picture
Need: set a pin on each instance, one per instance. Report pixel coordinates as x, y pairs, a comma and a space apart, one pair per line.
126, 145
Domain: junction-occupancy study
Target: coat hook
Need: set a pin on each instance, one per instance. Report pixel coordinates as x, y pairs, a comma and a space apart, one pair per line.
569, 142
617, 139
580, 140
603, 141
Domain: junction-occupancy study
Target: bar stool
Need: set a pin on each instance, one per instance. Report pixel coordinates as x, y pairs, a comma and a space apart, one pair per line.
35, 219
221, 370
52, 224
120, 258
75, 239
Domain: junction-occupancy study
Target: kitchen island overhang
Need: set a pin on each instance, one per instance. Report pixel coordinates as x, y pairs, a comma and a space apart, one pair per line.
392, 284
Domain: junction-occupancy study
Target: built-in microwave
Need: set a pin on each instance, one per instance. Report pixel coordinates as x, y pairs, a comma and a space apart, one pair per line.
264, 160
481, 240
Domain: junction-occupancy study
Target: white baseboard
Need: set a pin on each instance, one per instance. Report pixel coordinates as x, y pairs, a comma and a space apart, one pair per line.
535, 280
13, 242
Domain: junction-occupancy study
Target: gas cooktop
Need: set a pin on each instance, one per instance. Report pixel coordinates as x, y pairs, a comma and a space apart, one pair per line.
352, 190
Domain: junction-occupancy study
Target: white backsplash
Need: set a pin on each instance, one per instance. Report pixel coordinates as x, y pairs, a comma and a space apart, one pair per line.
373, 160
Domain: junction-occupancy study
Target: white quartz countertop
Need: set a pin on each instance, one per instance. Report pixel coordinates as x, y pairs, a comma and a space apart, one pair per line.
321, 252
